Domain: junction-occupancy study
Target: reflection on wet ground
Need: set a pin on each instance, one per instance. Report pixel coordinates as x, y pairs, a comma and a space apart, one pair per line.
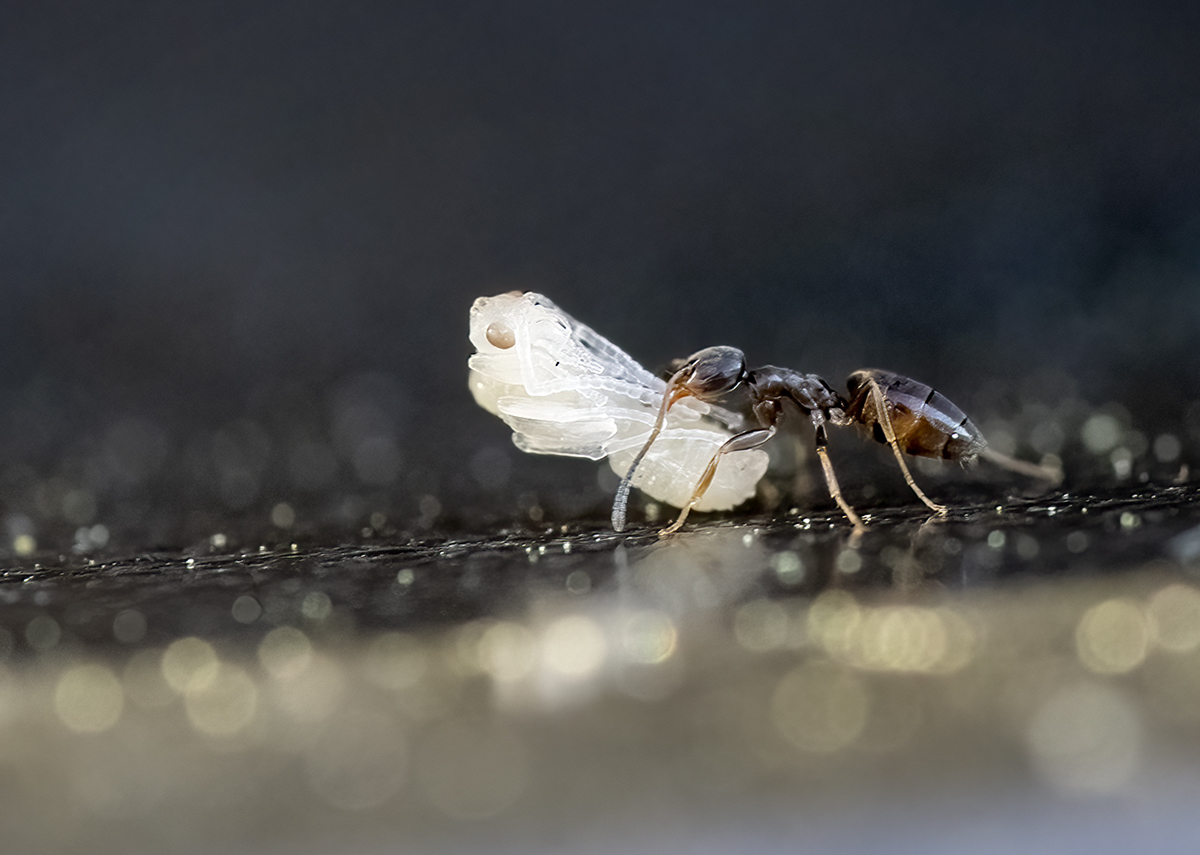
1031, 669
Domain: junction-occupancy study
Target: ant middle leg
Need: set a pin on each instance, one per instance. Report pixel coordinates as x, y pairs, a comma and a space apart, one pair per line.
741, 442
831, 481
889, 433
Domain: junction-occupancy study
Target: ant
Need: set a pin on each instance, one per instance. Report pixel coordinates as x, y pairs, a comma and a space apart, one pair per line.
908, 416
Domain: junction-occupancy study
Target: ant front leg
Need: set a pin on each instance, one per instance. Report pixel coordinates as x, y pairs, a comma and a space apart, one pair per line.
743, 441
889, 433
706, 374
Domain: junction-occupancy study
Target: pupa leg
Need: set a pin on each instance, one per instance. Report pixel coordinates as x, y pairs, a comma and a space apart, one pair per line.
889, 433
741, 442
831, 481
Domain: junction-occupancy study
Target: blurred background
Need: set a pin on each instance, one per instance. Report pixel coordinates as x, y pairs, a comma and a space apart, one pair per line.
239, 243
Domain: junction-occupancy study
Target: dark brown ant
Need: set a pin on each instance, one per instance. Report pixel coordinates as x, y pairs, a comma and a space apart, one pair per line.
908, 416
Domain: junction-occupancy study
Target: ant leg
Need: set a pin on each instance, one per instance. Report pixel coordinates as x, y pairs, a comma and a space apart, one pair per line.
831, 481
741, 442
889, 433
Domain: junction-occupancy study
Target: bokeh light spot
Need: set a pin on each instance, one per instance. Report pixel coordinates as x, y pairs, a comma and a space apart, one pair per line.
43, 633
820, 708
246, 609
1112, 637
902, 638
1174, 614
189, 663
833, 621
316, 605
88, 698
129, 626
1100, 433
573, 646
223, 705
1085, 739
507, 651
285, 652
648, 637
283, 516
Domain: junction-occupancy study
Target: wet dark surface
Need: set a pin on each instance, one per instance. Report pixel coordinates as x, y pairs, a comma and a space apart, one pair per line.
453, 580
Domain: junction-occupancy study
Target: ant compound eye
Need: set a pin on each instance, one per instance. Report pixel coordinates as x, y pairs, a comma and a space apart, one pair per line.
499, 335
715, 371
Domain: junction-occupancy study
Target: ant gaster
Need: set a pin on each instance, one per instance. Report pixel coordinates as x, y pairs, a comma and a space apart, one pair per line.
908, 416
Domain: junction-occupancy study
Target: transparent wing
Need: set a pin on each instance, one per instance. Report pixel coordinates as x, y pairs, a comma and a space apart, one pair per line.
617, 364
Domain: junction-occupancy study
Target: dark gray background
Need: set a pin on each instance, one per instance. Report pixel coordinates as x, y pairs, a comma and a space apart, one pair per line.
235, 238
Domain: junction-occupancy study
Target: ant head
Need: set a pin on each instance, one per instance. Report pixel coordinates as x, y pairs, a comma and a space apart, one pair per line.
710, 373
707, 375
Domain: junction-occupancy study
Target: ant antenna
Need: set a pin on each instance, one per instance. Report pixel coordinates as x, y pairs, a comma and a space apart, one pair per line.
675, 391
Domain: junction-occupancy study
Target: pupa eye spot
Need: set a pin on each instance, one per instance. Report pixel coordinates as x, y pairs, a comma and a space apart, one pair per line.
499, 335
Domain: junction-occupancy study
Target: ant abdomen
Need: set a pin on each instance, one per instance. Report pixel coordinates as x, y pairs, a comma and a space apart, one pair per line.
925, 422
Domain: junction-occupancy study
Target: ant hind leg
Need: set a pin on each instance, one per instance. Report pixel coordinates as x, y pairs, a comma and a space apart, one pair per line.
1052, 474
889, 433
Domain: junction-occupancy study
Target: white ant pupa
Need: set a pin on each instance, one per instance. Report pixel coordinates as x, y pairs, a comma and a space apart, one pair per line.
566, 390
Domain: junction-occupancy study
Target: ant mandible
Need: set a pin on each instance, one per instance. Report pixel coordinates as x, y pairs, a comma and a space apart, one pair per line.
908, 416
